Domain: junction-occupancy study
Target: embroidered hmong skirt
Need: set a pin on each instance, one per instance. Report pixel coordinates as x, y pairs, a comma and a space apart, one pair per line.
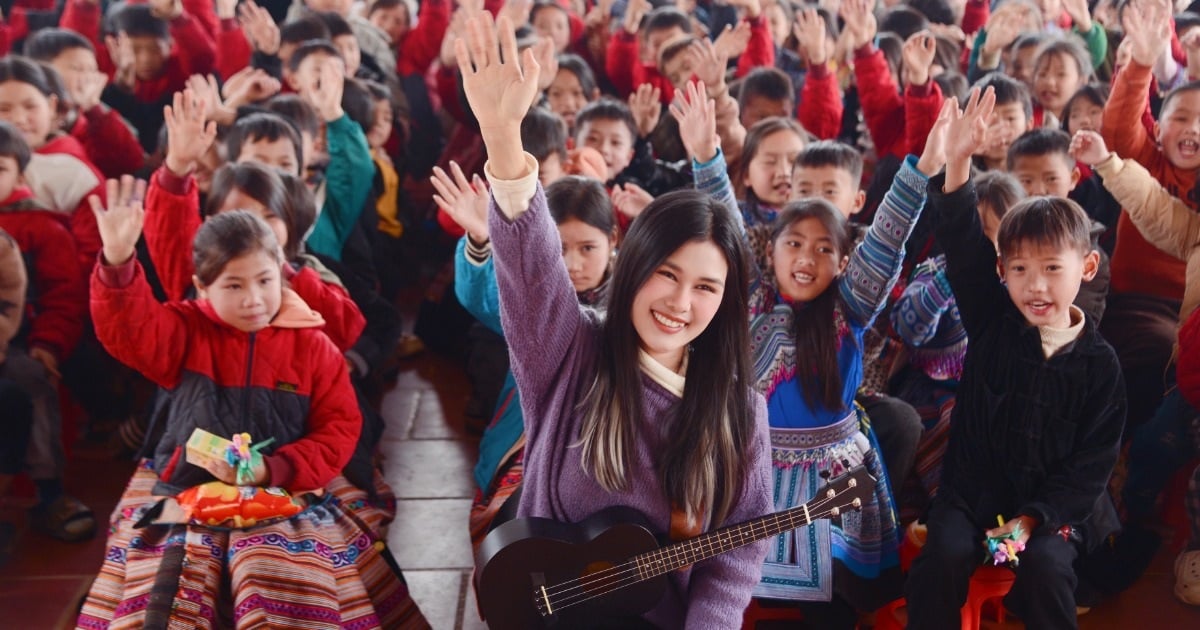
327, 567
483, 510
858, 558
934, 402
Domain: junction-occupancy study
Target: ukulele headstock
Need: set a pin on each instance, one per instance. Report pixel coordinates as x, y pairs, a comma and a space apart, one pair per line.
849, 491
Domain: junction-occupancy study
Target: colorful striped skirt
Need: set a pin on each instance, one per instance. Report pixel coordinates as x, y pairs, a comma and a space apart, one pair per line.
327, 567
858, 557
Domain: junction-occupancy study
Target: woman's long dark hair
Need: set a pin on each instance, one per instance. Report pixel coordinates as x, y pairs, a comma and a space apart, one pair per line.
703, 467
814, 323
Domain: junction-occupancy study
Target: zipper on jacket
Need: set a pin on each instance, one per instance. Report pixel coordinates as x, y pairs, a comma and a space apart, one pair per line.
249, 380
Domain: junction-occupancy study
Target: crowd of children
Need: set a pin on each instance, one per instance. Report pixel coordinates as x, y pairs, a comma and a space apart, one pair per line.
952, 241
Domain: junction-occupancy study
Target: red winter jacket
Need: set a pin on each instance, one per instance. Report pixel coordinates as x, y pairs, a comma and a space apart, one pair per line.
884, 108
58, 295
62, 178
1187, 371
420, 46
193, 49
760, 51
108, 141
233, 49
286, 381
821, 107
172, 220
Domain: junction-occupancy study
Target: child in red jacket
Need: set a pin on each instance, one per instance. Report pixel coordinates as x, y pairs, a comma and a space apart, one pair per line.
244, 357
55, 306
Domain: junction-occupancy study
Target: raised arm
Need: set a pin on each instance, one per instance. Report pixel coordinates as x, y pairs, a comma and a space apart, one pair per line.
927, 298
1148, 31
821, 108
474, 271
875, 263
538, 307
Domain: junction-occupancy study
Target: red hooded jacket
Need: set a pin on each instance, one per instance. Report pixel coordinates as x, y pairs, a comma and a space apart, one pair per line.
58, 301
62, 178
883, 106
108, 141
286, 381
172, 220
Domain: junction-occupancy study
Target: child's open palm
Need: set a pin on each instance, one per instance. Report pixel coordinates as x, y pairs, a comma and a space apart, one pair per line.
259, 27
121, 224
189, 133
1088, 147
811, 33
465, 202
697, 118
966, 130
646, 105
630, 199
860, 22
918, 54
732, 42
499, 87
87, 91
1148, 28
708, 62
933, 158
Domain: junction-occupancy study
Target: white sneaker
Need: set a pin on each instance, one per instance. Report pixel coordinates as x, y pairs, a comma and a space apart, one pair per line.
1187, 577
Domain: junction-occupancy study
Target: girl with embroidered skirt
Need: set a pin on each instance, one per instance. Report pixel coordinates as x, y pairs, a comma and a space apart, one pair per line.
581, 208
247, 356
807, 325
613, 415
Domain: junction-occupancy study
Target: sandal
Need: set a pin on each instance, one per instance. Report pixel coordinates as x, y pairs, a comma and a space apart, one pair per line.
66, 518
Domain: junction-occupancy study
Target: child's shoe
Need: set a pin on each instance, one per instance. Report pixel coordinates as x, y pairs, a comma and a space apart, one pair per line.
1187, 577
66, 518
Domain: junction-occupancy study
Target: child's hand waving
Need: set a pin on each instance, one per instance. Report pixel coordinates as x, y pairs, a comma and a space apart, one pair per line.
697, 117
500, 85
465, 202
918, 54
709, 64
326, 95
259, 27
934, 156
811, 33
1088, 147
646, 105
965, 132
630, 199
120, 225
189, 136
1148, 27
860, 22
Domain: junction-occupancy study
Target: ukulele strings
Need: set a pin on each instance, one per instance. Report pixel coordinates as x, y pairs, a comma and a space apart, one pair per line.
618, 575
573, 600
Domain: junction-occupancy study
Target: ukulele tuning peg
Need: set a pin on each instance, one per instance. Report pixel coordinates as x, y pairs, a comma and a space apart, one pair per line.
856, 504
835, 512
852, 482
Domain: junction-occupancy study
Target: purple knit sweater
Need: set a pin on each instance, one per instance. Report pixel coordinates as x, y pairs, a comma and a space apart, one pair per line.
554, 347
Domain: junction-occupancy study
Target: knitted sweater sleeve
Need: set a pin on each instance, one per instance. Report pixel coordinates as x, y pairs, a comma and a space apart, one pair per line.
876, 262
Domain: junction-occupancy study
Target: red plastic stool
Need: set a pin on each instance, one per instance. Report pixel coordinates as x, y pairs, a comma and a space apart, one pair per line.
988, 583
756, 612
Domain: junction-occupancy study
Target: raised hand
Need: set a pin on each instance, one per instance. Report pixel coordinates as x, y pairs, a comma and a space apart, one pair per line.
933, 158
634, 12
811, 33
918, 53
646, 105
708, 63
465, 202
732, 42
516, 10
166, 9
697, 118
1148, 28
121, 225
500, 85
189, 136
1002, 30
226, 9
249, 85
87, 90
326, 95
120, 50
1088, 147
547, 60
259, 27
860, 22
1081, 15
630, 199
966, 132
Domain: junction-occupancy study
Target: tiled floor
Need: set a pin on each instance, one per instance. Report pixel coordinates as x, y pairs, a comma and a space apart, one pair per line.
428, 463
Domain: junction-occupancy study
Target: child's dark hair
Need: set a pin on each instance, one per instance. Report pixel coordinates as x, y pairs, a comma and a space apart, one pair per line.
262, 126
953, 84
817, 371
227, 236
337, 25
892, 48
839, 155
358, 103
1047, 222
902, 20
382, 5
297, 111
303, 29
1093, 93
665, 18
48, 43
769, 83
543, 133
54, 81
673, 50
293, 203
136, 20
1186, 20
581, 198
23, 70
1028, 40
936, 11
998, 191
1190, 86
582, 71
757, 133
947, 53
1070, 47
1008, 90
543, 5
313, 47
607, 109
1041, 141
13, 145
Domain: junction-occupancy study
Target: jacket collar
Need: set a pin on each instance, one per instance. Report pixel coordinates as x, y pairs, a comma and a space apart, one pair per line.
293, 313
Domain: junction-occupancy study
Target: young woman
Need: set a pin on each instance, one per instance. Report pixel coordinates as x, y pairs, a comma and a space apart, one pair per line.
613, 414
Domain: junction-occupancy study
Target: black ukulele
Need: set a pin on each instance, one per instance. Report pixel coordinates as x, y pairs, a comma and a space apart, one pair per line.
539, 573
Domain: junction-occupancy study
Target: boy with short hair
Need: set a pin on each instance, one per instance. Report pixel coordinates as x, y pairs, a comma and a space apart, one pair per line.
832, 171
1011, 117
634, 49
1040, 409
608, 126
57, 304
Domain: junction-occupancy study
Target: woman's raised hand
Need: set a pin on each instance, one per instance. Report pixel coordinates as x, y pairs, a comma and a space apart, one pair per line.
465, 202
121, 224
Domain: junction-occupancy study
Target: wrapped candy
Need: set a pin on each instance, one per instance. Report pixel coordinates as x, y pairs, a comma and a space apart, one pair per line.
219, 504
